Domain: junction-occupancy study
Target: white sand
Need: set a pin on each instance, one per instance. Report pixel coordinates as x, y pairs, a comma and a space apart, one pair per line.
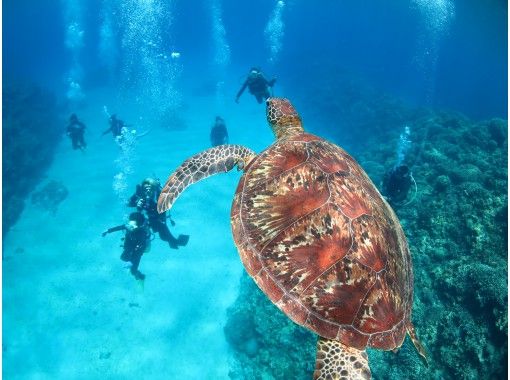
71, 309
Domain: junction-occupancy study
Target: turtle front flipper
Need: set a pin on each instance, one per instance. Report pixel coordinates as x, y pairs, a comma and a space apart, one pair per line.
219, 159
337, 361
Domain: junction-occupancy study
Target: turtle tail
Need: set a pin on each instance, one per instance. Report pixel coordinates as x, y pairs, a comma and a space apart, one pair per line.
219, 159
417, 344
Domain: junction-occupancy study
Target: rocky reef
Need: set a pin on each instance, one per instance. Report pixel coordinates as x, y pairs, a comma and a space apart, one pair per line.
456, 223
31, 132
50, 196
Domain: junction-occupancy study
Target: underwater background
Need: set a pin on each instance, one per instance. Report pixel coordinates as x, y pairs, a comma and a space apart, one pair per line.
415, 82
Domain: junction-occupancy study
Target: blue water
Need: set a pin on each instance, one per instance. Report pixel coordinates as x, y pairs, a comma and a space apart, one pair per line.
376, 40
70, 307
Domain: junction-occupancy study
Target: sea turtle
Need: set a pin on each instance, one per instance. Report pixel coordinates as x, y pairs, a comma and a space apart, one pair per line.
318, 239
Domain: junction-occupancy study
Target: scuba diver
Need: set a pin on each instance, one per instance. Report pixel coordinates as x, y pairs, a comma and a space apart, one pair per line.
116, 126
136, 241
397, 183
257, 84
146, 199
75, 131
219, 133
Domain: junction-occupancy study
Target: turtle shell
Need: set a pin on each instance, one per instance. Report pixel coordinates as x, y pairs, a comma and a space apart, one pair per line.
321, 242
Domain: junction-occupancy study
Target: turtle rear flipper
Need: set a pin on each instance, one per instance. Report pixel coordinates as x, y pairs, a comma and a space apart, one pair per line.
337, 361
219, 159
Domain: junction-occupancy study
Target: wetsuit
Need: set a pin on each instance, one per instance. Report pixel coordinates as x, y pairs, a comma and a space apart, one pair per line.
135, 244
75, 131
219, 134
157, 222
397, 183
258, 86
116, 126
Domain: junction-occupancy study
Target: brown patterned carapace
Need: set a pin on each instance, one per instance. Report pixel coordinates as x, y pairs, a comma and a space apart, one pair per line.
321, 242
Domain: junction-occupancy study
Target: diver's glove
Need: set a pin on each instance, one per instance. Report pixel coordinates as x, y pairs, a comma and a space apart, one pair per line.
104, 233
140, 203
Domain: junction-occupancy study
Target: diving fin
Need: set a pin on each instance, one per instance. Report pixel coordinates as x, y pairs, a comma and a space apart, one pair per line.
182, 240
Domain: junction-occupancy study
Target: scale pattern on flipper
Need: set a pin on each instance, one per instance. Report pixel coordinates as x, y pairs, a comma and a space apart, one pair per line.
219, 159
336, 361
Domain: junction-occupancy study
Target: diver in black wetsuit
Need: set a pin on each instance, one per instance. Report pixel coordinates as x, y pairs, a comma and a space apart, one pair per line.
116, 126
136, 241
145, 199
257, 84
219, 133
75, 131
396, 184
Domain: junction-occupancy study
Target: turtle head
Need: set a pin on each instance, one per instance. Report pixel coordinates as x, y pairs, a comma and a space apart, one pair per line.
282, 117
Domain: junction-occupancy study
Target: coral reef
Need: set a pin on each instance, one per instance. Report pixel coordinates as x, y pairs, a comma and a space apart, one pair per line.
31, 132
50, 196
457, 231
